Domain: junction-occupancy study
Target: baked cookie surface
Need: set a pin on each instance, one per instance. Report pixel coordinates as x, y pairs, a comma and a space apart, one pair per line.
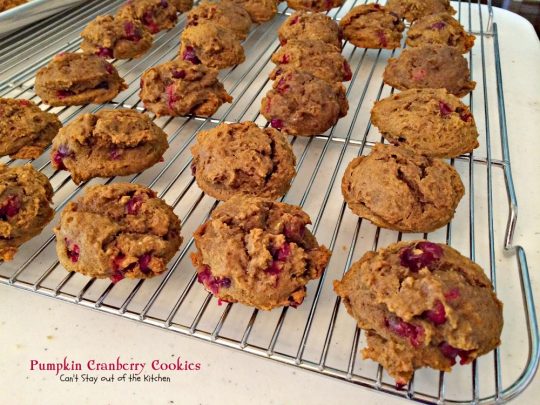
259, 10
305, 25
226, 14
243, 159
412, 10
155, 15
422, 304
25, 130
400, 190
111, 37
25, 207
182, 5
117, 231
301, 104
258, 252
314, 5
430, 66
372, 26
108, 143
431, 122
182, 88
78, 79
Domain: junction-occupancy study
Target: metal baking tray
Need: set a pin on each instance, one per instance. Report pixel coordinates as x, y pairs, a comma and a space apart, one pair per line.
318, 336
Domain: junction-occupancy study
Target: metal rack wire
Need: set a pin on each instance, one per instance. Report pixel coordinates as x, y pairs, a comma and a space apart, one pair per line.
319, 335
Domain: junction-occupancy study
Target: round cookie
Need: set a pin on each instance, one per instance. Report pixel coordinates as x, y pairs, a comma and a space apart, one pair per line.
301, 104
401, 190
259, 10
155, 15
441, 29
25, 130
108, 143
243, 159
78, 79
306, 25
412, 10
182, 5
117, 231
431, 122
25, 207
226, 14
315, 57
258, 252
430, 66
211, 44
422, 304
179, 87
314, 5
111, 37
372, 26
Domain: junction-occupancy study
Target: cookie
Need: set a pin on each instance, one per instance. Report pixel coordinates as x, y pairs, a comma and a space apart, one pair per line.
211, 44
25, 130
412, 10
301, 104
313, 56
259, 10
431, 122
179, 87
314, 5
182, 5
422, 304
440, 29
111, 37
397, 189
306, 25
430, 66
7, 4
258, 252
117, 231
243, 159
25, 206
372, 26
108, 143
78, 79
226, 14
155, 15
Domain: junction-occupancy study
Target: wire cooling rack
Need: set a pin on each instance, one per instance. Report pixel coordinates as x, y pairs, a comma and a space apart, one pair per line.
319, 335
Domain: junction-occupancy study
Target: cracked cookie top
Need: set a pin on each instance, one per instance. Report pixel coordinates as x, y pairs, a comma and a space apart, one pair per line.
312, 26
401, 190
412, 10
225, 14
243, 159
155, 15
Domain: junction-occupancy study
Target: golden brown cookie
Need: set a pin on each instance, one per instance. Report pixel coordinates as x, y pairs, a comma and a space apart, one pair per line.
226, 14
179, 87
412, 10
422, 304
155, 15
306, 25
108, 143
314, 5
77, 79
397, 189
117, 231
259, 10
258, 252
243, 159
431, 122
25, 130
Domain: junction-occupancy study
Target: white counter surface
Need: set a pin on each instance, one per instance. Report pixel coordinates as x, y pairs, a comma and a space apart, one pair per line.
34, 327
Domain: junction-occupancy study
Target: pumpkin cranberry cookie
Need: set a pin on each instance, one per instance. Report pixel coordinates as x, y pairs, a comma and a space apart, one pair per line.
259, 10
372, 26
243, 159
182, 5
155, 15
25, 207
302, 104
441, 29
314, 5
430, 66
25, 130
111, 37
212, 45
226, 14
400, 190
412, 10
422, 304
305, 25
315, 57
108, 143
182, 88
117, 231
258, 252
431, 122
77, 79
